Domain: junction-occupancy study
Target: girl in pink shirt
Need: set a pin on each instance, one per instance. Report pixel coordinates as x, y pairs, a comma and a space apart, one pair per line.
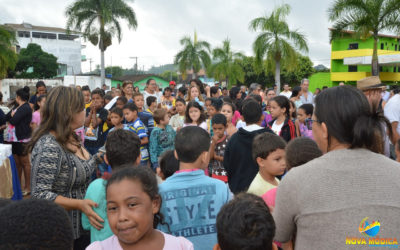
36, 115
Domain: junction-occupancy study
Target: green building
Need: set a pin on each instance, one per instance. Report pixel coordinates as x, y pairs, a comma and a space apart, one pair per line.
140, 80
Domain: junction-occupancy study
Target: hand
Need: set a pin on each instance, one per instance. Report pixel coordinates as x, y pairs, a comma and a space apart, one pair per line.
86, 206
215, 139
13, 112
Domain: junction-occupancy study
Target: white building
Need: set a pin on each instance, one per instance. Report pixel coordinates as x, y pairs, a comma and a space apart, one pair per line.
92, 81
67, 48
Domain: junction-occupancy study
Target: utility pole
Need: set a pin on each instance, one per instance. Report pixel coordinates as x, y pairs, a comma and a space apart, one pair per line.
90, 63
136, 65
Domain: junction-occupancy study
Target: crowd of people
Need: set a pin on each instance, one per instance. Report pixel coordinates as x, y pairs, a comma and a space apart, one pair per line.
200, 167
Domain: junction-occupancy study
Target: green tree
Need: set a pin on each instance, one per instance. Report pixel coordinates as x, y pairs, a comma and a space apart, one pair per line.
227, 65
276, 42
100, 21
8, 58
115, 71
194, 55
367, 18
251, 74
44, 65
303, 69
170, 75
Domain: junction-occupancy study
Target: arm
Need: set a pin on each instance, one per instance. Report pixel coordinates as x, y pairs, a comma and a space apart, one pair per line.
396, 135
20, 114
144, 140
297, 124
93, 193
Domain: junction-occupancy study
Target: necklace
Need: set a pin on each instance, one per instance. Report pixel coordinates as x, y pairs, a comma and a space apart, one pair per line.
79, 146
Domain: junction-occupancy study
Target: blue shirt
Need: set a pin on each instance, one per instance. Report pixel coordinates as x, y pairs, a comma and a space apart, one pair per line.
138, 128
161, 140
147, 120
190, 204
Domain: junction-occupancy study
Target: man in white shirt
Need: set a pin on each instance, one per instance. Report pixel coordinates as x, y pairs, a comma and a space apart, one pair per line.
392, 113
306, 95
150, 90
286, 92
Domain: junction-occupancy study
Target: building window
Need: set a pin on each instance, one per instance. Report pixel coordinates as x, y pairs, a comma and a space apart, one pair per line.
67, 37
44, 35
353, 46
352, 68
381, 45
24, 34
380, 69
395, 47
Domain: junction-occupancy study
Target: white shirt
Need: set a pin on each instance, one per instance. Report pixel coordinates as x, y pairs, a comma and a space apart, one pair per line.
277, 128
240, 124
287, 94
310, 98
252, 127
147, 94
392, 110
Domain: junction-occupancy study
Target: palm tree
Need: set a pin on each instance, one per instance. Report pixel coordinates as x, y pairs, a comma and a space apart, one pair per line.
277, 42
227, 65
100, 20
8, 58
194, 55
367, 18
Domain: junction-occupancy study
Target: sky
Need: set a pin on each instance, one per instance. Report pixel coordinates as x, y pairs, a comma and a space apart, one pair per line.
162, 23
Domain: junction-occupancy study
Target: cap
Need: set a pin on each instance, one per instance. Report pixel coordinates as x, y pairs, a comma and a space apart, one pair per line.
172, 83
371, 82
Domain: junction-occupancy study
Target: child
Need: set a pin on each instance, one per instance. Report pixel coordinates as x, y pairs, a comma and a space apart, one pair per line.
194, 94
238, 161
122, 149
117, 118
217, 148
282, 124
121, 101
178, 120
269, 153
40, 101
303, 122
133, 210
168, 165
207, 105
144, 116
135, 124
267, 115
192, 200
292, 110
167, 100
245, 223
182, 92
228, 109
195, 116
86, 95
151, 102
162, 137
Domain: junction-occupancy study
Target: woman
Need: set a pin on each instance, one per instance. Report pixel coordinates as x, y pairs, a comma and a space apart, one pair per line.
40, 90
296, 93
136, 89
328, 199
19, 131
61, 166
127, 90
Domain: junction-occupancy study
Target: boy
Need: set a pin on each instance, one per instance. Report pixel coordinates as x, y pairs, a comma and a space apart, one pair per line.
238, 161
162, 137
117, 118
86, 95
245, 223
151, 102
269, 153
121, 101
168, 165
182, 92
192, 200
214, 91
135, 124
217, 148
144, 116
122, 147
178, 120
213, 109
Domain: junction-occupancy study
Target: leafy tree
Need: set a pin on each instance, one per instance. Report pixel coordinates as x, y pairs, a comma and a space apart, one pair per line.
170, 75
367, 18
227, 65
115, 71
276, 42
44, 65
303, 69
8, 58
194, 55
251, 74
100, 21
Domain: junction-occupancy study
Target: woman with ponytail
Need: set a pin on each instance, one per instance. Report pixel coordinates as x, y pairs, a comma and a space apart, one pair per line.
327, 199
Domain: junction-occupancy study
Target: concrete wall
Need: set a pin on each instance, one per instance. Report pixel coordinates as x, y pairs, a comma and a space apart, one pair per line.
9, 86
92, 81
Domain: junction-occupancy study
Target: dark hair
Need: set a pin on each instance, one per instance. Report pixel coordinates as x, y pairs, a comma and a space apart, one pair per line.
296, 91
23, 93
159, 115
231, 105
214, 90
168, 163
150, 100
268, 90
256, 97
167, 89
324, 87
122, 99
194, 104
99, 92
266, 143
35, 224
308, 108
294, 114
117, 111
108, 97
224, 88
233, 93
148, 181
190, 143
183, 90
350, 119
251, 111
199, 85
85, 88
219, 119
216, 103
122, 147
245, 223
39, 99
300, 151
282, 102
227, 99
40, 84
180, 100
131, 106
149, 80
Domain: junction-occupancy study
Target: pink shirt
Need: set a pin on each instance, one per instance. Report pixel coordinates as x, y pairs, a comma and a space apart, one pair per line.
171, 243
36, 117
269, 197
236, 117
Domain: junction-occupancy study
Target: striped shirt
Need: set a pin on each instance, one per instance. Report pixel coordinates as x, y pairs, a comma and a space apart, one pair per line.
140, 130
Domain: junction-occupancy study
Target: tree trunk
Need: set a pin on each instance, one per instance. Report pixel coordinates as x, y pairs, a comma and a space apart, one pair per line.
102, 69
194, 73
278, 76
375, 63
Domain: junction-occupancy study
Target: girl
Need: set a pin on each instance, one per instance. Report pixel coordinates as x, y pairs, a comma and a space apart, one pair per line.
133, 211
296, 96
282, 125
194, 95
303, 122
228, 109
36, 115
195, 116
136, 89
178, 120
293, 113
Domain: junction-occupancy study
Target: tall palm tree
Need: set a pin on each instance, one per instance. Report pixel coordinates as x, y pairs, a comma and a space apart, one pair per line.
100, 21
227, 65
8, 58
194, 55
367, 18
277, 42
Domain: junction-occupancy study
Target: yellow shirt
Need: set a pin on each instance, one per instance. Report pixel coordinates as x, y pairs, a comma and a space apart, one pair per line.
259, 186
87, 105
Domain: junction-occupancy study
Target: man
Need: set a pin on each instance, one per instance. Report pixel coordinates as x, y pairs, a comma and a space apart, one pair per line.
306, 95
286, 91
243, 90
151, 87
254, 88
172, 85
392, 113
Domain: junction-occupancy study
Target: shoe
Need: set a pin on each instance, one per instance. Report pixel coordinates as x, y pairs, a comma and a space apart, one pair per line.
25, 193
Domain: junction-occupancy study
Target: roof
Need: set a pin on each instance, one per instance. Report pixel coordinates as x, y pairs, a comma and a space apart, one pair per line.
136, 78
381, 35
29, 27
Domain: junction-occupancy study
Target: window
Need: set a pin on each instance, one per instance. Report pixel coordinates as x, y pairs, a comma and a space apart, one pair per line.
381, 45
67, 37
353, 46
352, 68
44, 35
380, 69
24, 34
395, 47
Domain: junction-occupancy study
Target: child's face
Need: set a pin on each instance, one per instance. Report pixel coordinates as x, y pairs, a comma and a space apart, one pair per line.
165, 120
120, 104
139, 101
97, 100
116, 120
167, 93
301, 115
207, 104
219, 130
275, 110
86, 96
180, 107
130, 115
227, 112
42, 102
194, 92
153, 106
274, 164
130, 211
211, 111
194, 114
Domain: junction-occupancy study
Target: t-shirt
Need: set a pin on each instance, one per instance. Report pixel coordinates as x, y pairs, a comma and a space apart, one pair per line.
148, 121
170, 243
277, 128
33, 99
202, 125
259, 186
287, 94
161, 140
147, 94
139, 129
270, 196
392, 110
36, 117
218, 170
94, 136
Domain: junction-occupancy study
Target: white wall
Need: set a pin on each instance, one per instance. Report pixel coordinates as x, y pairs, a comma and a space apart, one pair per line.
9, 86
92, 81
